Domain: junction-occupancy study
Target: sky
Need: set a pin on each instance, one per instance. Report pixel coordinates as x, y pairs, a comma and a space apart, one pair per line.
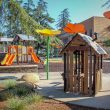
79, 10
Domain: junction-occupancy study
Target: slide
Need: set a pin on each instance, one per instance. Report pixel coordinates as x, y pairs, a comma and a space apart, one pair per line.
11, 59
8, 60
35, 58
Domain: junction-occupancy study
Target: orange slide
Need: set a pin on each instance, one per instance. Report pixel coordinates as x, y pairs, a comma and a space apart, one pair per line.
8, 60
35, 58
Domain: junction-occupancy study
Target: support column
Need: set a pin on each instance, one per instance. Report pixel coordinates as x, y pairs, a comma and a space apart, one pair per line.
71, 72
85, 72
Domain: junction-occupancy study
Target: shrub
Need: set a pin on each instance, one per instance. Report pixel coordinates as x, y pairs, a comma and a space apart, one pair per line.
4, 95
32, 98
21, 91
9, 84
15, 103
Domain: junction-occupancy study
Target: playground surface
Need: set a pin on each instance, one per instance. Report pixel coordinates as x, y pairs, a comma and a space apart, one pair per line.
53, 88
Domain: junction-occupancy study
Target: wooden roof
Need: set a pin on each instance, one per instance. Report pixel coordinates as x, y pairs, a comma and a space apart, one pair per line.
83, 42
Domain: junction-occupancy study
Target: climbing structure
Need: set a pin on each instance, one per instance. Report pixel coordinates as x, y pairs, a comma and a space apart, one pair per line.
82, 65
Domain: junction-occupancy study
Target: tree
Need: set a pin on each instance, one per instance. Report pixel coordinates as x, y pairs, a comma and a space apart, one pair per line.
63, 19
41, 14
29, 7
17, 20
107, 3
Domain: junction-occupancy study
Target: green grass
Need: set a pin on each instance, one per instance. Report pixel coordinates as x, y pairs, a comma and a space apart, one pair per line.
9, 84
15, 103
32, 98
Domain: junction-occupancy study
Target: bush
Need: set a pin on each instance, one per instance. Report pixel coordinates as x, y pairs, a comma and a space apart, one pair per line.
4, 95
15, 103
32, 98
21, 91
9, 84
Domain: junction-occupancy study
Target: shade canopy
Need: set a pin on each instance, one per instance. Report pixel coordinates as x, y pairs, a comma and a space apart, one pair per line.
48, 32
74, 28
107, 14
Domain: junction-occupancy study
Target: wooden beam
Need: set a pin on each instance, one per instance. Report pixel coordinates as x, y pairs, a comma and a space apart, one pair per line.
71, 48
85, 72
64, 74
71, 72
90, 73
68, 69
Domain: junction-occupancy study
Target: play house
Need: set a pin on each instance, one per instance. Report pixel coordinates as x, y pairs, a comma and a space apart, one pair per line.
21, 51
82, 65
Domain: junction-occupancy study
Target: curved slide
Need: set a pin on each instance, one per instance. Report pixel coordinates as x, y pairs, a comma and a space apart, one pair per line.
8, 60
35, 58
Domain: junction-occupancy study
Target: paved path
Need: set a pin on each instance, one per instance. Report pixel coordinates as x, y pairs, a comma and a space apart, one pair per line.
54, 88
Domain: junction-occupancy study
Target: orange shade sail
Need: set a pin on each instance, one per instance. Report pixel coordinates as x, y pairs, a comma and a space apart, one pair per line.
107, 14
74, 28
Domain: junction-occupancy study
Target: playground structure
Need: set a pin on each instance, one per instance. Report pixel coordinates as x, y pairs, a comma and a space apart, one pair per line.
20, 51
82, 65
20, 54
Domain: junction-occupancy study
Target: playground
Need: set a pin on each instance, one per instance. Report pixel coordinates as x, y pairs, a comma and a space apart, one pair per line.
48, 68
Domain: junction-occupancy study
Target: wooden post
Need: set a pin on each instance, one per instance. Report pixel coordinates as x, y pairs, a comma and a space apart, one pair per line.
78, 71
101, 72
94, 75
67, 75
65, 72
85, 72
90, 73
71, 72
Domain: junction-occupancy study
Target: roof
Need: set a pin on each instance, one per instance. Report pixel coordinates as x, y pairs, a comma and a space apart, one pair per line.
26, 37
96, 47
4, 39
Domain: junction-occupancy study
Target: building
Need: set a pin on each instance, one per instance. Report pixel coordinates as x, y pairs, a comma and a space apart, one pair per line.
99, 25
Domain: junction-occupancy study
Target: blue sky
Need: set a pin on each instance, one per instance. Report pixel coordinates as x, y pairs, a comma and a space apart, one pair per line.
79, 9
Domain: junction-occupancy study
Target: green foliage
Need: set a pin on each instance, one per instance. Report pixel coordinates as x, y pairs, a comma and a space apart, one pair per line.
107, 43
63, 19
4, 95
32, 98
15, 103
21, 91
9, 84
41, 14
28, 24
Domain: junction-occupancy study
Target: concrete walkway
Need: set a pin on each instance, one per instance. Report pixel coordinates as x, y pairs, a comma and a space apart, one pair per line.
53, 88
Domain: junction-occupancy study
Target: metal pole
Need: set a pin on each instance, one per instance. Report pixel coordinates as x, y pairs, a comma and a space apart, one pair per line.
47, 67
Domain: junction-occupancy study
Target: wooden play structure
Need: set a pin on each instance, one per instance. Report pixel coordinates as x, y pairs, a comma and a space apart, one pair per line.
82, 65
21, 51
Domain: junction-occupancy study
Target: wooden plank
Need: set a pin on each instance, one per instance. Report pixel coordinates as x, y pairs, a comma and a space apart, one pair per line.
96, 76
71, 48
82, 85
90, 73
75, 84
64, 74
86, 72
67, 75
78, 53
71, 72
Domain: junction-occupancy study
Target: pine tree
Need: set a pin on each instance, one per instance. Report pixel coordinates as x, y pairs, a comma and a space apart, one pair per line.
41, 14
29, 7
63, 19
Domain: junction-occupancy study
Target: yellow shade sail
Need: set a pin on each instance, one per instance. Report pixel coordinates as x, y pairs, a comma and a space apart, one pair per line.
48, 32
